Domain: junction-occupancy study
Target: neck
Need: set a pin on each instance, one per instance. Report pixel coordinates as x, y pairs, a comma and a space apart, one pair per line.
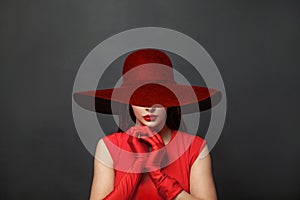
165, 133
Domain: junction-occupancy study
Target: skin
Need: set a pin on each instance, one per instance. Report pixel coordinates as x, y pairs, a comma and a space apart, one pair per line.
158, 110
202, 185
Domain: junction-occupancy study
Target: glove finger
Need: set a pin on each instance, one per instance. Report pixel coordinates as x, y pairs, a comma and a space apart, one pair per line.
138, 131
158, 139
154, 142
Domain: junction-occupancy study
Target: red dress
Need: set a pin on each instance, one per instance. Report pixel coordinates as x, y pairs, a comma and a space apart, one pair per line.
183, 151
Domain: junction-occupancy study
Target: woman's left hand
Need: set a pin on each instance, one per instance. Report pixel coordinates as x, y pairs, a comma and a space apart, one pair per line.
153, 139
167, 186
157, 154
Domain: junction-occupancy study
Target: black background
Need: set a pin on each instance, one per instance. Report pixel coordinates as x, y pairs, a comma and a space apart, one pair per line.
255, 45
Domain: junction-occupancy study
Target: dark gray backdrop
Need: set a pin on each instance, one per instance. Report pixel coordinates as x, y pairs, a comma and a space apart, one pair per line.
255, 45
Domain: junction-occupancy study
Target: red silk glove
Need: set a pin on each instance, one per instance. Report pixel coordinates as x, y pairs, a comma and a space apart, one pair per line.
167, 186
134, 141
128, 184
139, 148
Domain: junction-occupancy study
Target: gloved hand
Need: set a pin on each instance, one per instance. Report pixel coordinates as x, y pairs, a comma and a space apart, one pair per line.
128, 184
167, 186
137, 145
139, 148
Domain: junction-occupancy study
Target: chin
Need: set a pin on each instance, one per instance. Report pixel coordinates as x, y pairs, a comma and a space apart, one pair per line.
153, 125
157, 124
150, 124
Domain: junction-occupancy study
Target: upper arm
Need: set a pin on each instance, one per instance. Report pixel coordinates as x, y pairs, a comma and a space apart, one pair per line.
201, 178
104, 175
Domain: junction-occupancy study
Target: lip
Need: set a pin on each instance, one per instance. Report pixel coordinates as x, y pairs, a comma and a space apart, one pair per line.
150, 118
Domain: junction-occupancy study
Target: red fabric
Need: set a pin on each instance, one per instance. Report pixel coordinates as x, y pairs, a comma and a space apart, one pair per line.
145, 56
146, 85
179, 169
127, 186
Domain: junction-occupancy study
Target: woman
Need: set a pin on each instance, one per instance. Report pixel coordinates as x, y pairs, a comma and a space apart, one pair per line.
151, 157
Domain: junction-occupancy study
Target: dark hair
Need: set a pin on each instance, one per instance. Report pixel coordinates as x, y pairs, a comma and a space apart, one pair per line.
173, 119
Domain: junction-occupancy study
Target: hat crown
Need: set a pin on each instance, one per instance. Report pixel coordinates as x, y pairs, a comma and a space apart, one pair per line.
145, 56
147, 66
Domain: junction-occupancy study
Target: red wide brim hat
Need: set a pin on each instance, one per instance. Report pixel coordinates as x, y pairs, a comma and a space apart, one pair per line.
148, 80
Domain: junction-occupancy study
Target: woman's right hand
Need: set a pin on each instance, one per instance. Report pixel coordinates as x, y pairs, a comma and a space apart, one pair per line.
139, 149
138, 145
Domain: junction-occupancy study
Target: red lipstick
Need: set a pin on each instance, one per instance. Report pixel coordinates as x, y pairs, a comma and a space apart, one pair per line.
150, 118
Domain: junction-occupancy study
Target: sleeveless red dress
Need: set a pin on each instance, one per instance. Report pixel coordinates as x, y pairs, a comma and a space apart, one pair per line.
183, 151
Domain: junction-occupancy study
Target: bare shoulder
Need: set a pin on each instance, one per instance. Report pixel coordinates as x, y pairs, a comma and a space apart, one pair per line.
201, 177
103, 178
204, 152
102, 154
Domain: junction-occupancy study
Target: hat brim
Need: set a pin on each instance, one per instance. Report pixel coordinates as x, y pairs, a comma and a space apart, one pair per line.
167, 95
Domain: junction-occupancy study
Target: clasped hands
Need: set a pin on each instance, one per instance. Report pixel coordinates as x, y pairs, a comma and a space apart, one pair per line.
148, 147
140, 139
